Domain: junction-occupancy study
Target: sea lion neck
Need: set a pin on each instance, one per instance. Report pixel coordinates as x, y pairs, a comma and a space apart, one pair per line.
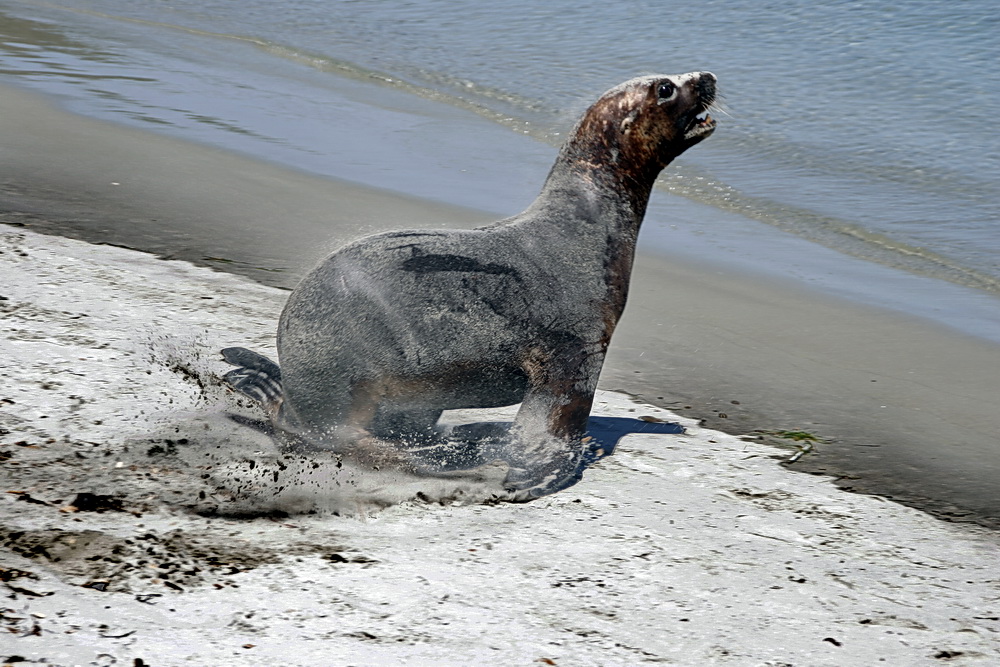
602, 174
595, 167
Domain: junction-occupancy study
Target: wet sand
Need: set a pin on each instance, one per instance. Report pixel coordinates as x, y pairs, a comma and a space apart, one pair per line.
905, 408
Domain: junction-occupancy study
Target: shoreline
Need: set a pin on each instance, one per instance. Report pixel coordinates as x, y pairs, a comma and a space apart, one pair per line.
885, 392
117, 462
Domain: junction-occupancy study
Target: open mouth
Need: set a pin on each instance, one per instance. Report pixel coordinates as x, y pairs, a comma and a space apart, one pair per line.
701, 126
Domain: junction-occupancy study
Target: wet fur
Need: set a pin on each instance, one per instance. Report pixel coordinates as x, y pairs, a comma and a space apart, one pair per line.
394, 328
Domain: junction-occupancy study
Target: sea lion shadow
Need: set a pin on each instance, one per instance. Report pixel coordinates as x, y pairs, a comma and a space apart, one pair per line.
608, 431
467, 446
603, 434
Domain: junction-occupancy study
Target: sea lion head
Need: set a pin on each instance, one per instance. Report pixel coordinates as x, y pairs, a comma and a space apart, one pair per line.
640, 126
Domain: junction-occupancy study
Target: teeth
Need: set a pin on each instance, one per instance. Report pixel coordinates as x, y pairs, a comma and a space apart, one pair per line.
704, 125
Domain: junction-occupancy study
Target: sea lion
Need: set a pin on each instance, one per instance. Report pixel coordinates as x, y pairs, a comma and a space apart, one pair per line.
390, 330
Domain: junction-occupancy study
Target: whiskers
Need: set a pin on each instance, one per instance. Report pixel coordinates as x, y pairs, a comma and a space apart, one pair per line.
719, 107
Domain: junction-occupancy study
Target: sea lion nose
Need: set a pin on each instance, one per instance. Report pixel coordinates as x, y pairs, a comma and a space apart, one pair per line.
706, 86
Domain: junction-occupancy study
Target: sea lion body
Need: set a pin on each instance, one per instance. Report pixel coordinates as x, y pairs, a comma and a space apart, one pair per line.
391, 330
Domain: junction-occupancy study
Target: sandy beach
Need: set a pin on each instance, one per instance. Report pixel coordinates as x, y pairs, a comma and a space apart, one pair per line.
803, 460
685, 548
904, 407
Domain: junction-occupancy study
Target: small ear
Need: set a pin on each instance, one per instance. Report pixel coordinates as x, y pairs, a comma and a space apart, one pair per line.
627, 122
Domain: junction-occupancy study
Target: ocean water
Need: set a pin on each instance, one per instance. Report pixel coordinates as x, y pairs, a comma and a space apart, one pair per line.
851, 130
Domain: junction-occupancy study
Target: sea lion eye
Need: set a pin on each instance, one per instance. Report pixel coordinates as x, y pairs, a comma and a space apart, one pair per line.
666, 91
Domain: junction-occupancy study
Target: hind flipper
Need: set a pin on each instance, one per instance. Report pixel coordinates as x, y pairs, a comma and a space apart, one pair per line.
240, 356
256, 376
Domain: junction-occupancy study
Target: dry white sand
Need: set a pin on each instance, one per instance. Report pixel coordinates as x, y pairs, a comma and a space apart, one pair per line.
119, 545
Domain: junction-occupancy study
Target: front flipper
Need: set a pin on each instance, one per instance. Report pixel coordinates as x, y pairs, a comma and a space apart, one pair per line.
548, 451
530, 480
